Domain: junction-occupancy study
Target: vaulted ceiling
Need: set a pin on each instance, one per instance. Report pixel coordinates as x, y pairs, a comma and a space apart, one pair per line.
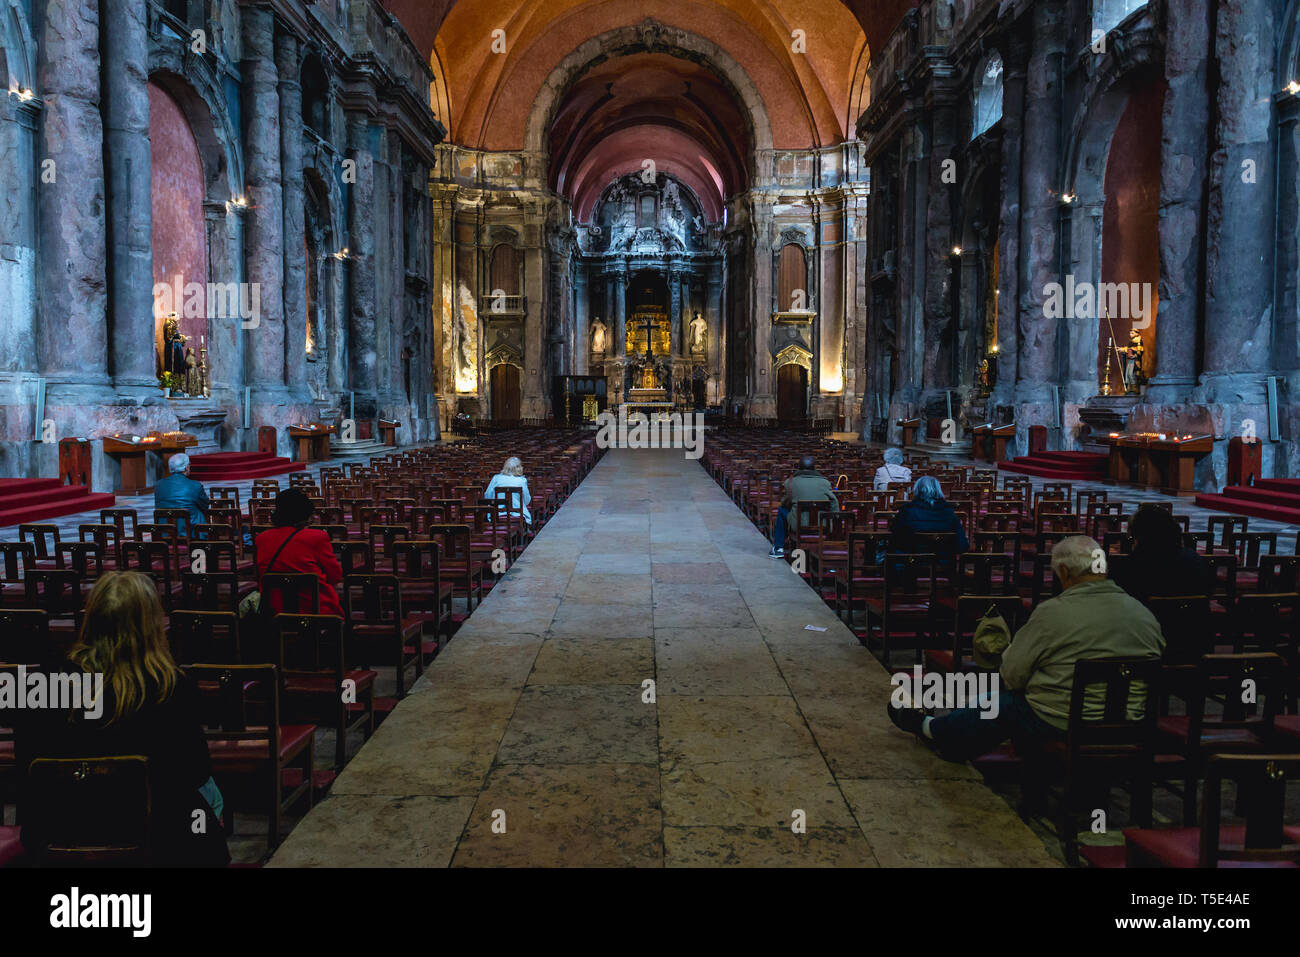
687, 113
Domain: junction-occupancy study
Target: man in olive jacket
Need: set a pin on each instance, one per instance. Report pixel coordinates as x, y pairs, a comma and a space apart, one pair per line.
806, 485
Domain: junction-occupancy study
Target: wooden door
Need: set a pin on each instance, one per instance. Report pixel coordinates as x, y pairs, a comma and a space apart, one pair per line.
791, 392
505, 393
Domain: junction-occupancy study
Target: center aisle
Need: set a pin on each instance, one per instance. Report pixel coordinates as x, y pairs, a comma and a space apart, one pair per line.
534, 738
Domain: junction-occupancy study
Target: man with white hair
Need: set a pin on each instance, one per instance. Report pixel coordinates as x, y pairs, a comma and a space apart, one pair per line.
178, 490
892, 471
1091, 618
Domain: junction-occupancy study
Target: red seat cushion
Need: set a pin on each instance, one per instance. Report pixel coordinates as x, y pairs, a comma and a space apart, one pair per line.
1181, 846
11, 846
1108, 856
1176, 727
293, 737
1285, 723
307, 684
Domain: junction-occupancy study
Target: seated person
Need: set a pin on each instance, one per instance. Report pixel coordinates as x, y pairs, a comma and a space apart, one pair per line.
148, 707
927, 512
806, 485
1091, 618
1159, 565
290, 547
511, 476
892, 471
178, 490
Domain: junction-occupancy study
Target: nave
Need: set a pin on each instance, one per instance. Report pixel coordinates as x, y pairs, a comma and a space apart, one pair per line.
649, 572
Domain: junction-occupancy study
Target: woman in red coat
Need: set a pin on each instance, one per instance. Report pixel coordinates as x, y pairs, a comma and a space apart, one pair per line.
293, 548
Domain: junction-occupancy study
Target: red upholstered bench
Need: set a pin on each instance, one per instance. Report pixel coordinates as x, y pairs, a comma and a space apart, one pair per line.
11, 847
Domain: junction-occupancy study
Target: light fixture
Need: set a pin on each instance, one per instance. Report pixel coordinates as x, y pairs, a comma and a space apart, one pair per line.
1067, 198
956, 250
995, 347
23, 94
1293, 87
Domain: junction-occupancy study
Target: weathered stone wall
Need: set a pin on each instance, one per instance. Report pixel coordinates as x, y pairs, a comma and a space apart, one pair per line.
77, 237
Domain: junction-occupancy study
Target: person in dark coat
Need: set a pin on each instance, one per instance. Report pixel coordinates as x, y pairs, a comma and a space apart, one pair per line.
927, 512
1158, 564
146, 707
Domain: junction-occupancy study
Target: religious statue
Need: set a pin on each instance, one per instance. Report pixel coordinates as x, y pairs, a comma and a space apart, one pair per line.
173, 346
982, 374
192, 386
699, 334
1134, 377
598, 335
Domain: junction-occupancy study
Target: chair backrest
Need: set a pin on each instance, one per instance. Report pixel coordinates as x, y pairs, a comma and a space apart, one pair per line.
57, 592
207, 637
25, 637
1250, 688
84, 558
1124, 685
1266, 622
454, 540
1222, 527
1186, 623
124, 518
240, 703
382, 537
911, 576
968, 609
372, 599
218, 556
1279, 573
1250, 546
1261, 781
91, 810
43, 537
224, 492
209, 591
1044, 584
299, 593
986, 573
355, 558
179, 518
416, 560
15, 559
311, 646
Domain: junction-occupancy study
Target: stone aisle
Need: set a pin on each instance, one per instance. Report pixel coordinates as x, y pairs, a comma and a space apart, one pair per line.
534, 716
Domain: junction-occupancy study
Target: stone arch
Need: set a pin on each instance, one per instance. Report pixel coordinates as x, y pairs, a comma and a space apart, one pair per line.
17, 49
199, 96
986, 88
662, 39
1133, 62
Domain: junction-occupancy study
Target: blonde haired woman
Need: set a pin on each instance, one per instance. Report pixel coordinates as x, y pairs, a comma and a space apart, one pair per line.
148, 707
511, 476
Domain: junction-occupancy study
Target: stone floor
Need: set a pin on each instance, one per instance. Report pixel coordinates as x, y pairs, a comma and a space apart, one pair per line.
642, 689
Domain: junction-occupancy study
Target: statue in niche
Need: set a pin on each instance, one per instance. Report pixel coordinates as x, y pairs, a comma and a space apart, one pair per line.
190, 381
599, 337
173, 346
1134, 377
699, 334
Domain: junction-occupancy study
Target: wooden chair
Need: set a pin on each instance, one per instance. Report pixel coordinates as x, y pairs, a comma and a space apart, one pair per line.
318, 687
1263, 840
376, 628
252, 753
905, 609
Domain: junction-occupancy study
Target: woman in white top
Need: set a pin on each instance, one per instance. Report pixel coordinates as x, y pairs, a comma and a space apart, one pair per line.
892, 471
511, 476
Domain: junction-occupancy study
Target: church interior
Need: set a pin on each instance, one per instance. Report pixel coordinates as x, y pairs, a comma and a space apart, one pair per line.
917, 575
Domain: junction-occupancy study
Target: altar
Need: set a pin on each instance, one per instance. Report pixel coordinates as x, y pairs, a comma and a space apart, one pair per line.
1157, 460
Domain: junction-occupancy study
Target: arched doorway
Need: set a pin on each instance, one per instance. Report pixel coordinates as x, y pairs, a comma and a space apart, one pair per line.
791, 393
505, 393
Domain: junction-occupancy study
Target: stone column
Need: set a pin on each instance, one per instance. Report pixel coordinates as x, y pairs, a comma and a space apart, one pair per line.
264, 235
72, 334
361, 261
618, 313
1239, 224
937, 241
1040, 214
1182, 188
288, 65
125, 108
1014, 57
675, 306
18, 263
581, 323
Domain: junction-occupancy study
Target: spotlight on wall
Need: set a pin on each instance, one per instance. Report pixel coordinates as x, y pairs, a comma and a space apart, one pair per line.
236, 204
1068, 198
23, 94
956, 250
1293, 87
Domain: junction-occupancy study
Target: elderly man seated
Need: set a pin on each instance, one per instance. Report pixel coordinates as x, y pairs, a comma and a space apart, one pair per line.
178, 490
1092, 618
892, 471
